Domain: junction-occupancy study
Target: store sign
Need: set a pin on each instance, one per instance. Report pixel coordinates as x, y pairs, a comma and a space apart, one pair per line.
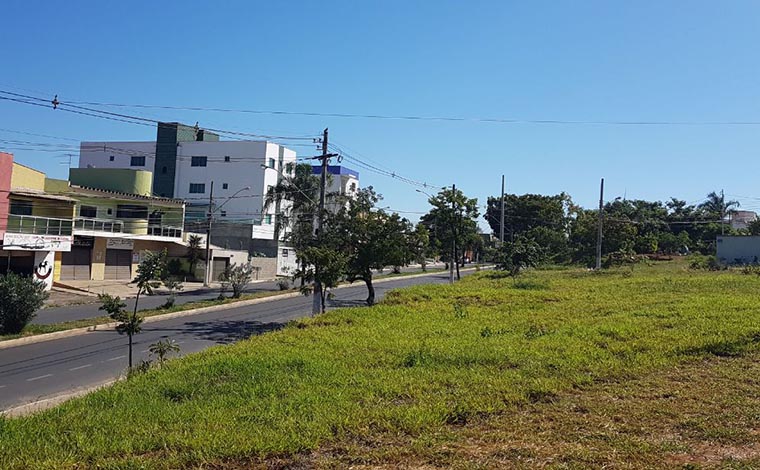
120, 244
87, 242
30, 242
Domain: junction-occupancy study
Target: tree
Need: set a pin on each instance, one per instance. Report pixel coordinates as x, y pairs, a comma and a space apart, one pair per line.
452, 218
518, 255
237, 276
372, 239
173, 285
296, 219
150, 271
194, 252
419, 245
128, 324
20, 298
324, 264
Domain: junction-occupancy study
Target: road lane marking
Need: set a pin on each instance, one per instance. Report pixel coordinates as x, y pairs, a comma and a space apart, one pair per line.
2, 386
40, 377
145, 350
80, 367
116, 358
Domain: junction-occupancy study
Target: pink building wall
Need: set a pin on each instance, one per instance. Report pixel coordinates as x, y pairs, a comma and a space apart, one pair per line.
6, 169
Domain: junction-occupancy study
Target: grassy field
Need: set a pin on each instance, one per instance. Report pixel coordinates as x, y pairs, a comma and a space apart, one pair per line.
562, 368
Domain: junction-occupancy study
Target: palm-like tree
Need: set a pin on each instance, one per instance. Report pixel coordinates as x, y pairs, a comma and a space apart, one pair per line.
301, 190
717, 206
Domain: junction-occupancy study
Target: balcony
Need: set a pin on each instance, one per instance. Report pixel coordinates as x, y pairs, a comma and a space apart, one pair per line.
99, 225
30, 224
165, 231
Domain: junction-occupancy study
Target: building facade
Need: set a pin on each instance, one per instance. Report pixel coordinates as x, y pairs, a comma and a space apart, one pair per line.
35, 227
186, 162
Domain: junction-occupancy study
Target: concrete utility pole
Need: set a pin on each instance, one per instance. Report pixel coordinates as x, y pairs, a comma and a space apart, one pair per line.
599, 228
454, 235
317, 306
207, 276
722, 212
501, 231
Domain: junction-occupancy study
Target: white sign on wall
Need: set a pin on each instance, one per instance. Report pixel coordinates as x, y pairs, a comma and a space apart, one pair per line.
120, 244
30, 242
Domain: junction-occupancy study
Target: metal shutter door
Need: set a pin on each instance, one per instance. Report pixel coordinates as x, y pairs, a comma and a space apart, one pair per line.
118, 264
75, 264
217, 267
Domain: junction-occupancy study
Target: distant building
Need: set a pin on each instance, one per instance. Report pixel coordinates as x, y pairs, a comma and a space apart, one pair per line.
185, 161
342, 184
742, 219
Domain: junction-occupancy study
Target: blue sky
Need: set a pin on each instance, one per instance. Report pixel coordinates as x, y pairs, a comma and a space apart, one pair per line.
675, 60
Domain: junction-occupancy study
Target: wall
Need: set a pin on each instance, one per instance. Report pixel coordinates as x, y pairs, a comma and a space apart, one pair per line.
98, 259
114, 179
6, 169
98, 154
27, 178
744, 249
243, 170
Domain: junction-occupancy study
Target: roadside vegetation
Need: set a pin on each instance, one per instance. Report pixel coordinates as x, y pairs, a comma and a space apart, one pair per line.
430, 368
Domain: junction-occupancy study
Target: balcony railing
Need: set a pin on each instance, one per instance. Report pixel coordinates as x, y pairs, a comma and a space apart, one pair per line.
38, 225
165, 231
99, 225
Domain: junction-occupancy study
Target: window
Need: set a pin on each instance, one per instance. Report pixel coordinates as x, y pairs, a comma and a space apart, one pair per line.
353, 187
271, 163
225, 186
163, 170
289, 168
223, 213
109, 211
110, 159
268, 219
197, 188
21, 207
198, 161
285, 253
226, 159
137, 161
88, 211
130, 211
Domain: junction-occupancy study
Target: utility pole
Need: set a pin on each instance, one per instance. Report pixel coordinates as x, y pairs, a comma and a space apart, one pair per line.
722, 212
501, 225
599, 228
454, 235
317, 306
207, 276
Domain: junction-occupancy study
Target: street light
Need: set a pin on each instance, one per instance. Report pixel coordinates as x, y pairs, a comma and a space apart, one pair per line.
211, 210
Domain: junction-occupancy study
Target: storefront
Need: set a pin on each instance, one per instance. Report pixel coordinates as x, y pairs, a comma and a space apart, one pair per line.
30, 254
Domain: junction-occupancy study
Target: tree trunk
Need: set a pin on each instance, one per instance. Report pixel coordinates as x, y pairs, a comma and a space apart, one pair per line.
457, 265
370, 289
130, 351
322, 294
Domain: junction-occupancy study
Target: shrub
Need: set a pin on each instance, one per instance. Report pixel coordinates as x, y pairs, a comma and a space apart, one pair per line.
709, 263
20, 297
237, 276
283, 284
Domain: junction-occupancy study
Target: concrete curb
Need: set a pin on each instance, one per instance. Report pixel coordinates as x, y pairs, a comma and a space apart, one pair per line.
44, 404
11, 343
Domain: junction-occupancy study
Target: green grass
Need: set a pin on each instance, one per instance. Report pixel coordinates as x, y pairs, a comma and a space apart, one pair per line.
33, 330
428, 359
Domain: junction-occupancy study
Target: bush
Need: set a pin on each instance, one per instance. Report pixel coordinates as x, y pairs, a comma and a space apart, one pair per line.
20, 298
709, 263
237, 277
283, 284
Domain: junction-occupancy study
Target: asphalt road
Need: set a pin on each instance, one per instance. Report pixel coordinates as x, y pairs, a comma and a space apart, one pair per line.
47, 316
37, 371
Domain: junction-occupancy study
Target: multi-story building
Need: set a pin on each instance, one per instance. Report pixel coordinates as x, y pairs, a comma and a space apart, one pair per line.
36, 227
186, 162
116, 221
342, 184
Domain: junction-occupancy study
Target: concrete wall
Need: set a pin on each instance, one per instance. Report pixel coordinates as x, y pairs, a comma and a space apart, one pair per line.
738, 250
24, 177
98, 260
114, 179
98, 154
6, 170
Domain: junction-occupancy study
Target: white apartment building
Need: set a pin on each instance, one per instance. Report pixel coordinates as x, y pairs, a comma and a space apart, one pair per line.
185, 164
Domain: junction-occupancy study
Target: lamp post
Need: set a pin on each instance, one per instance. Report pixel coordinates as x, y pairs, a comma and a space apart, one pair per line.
211, 210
